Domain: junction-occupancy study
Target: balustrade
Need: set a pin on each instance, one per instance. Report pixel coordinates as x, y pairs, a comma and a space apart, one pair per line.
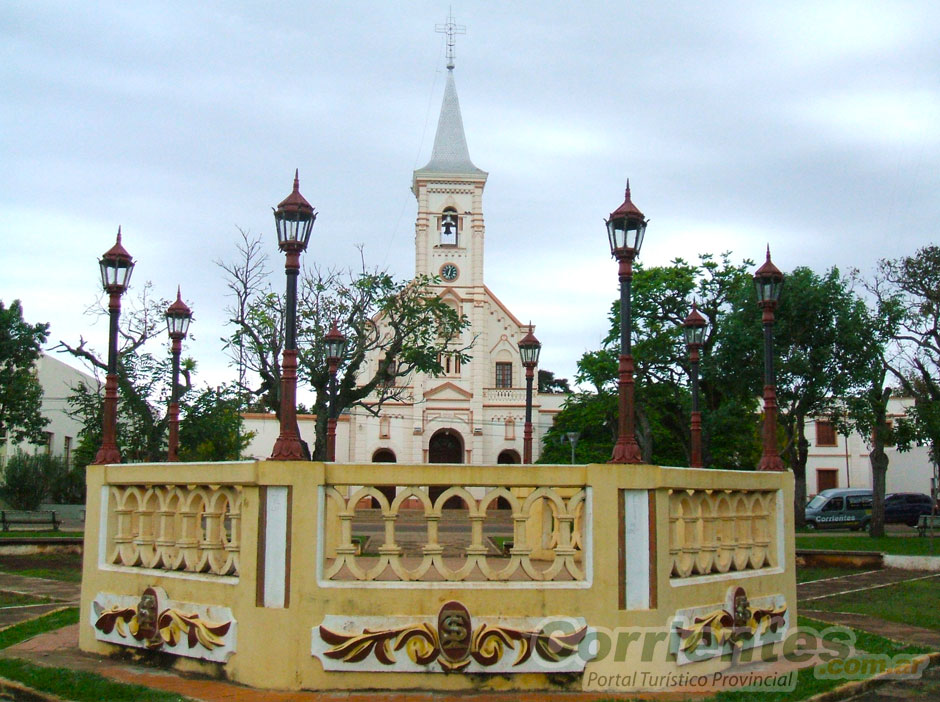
193, 528
547, 526
719, 531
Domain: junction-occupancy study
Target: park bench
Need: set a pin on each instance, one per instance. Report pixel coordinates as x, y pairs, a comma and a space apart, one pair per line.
33, 518
928, 521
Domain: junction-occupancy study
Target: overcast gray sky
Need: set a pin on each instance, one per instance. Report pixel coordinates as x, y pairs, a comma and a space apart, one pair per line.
812, 126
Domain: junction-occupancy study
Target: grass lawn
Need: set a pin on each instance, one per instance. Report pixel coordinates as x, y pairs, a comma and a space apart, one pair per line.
13, 599
913, 603
13, 533
68, 684
52, 566
806, 575
896, 545
807, 685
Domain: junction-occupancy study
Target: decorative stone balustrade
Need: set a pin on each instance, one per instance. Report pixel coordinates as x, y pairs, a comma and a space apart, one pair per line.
718, 531
191, 528
547, 535
513, 395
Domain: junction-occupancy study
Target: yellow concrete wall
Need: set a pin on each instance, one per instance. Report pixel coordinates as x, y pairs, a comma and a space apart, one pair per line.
273, 647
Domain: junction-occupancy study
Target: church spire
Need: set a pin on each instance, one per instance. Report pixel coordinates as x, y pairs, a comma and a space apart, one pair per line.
450, 153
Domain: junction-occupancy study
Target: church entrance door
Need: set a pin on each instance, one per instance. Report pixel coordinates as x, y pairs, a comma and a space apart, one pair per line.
445, 446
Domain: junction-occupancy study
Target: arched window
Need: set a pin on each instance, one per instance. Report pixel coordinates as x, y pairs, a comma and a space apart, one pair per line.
508, 456
450, 224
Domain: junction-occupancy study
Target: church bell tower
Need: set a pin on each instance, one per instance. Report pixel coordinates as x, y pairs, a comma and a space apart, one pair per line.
449, 229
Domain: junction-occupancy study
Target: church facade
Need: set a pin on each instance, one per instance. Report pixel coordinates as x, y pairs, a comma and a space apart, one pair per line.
475, 411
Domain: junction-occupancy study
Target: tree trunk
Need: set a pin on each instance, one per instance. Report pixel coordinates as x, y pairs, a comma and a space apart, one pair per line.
799, 450
879, 470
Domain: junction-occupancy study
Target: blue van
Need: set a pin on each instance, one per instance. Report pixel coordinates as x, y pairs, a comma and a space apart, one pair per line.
839, 508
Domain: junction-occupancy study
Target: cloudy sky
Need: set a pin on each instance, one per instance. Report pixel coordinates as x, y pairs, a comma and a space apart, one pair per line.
812, 126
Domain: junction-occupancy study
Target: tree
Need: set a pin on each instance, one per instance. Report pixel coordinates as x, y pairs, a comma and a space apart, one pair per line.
915, 281
403, 325
548, 383
866, 405
211, 429
820, 356
662, 297
20, 391
143, 383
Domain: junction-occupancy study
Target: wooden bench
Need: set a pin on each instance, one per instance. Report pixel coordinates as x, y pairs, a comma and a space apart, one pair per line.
928, 521
41, 517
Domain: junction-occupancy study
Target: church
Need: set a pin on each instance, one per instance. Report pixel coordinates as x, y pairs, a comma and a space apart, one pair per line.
474, 412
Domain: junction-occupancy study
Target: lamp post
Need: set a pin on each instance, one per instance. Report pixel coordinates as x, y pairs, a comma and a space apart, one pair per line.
178, 317
625, 230
294, 218
529, 349
694, 329
769, 280
572, 437
116, 267
335, 345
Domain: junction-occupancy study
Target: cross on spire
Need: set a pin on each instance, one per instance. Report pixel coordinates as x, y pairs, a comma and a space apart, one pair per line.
451, 30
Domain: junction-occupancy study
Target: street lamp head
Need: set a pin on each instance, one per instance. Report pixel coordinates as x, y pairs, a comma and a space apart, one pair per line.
769, 281
694, 328
178, 317
529, 349
116, 267
294, 218
335, 343
625, 229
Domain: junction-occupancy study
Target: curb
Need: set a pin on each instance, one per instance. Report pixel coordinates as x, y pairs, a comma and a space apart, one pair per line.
10, 689
856, 687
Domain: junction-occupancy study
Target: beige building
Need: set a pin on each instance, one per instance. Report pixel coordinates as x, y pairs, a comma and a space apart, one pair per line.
838, 460
61, 433
475, 412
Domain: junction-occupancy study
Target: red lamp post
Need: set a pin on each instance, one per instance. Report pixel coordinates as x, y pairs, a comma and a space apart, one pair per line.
335, 344
529, 349
625, 230
294, 218
769, 281
694, 329
116, 267
178, 317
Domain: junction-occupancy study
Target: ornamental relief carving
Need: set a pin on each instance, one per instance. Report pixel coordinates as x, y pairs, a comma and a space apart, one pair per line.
452, 642
704, 632
155, 622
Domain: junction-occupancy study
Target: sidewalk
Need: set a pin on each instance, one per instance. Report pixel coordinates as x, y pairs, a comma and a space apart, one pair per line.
61, 593
60, 649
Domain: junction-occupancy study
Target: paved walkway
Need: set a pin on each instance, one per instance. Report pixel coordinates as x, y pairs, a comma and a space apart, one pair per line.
61, 593
60, 649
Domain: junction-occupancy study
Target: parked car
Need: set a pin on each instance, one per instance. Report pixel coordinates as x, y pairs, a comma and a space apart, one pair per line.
906, 507
839, 508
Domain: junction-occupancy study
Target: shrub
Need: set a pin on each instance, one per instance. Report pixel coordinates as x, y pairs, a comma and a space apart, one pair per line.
24, 480
32, 479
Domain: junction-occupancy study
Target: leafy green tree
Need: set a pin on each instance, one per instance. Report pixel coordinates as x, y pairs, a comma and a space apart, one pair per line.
548, 383
24, 480
820, 356
211, 429
866, 405
403, 324
20, 391
662, 298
